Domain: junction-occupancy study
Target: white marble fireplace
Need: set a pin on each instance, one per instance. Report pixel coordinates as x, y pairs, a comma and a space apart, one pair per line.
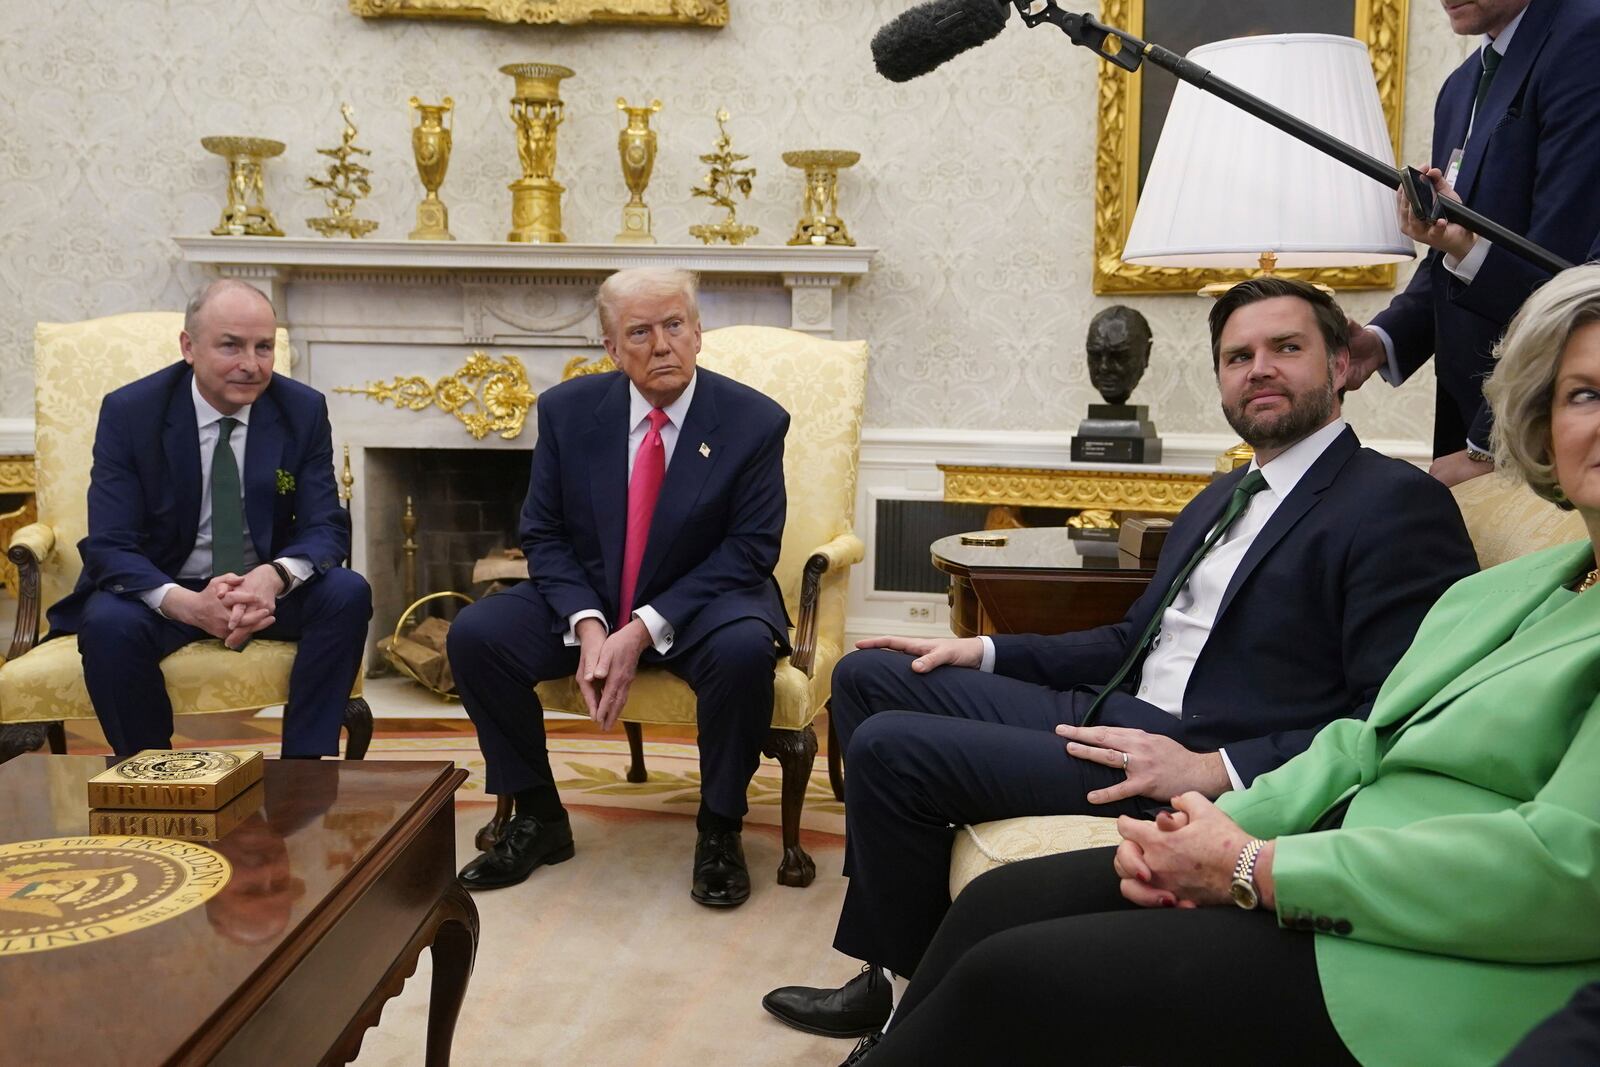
361, 314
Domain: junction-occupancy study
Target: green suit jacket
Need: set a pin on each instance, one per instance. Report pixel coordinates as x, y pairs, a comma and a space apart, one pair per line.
1458, 904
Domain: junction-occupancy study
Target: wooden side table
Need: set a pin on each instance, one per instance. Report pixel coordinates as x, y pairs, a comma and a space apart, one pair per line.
1039, 582
17, 508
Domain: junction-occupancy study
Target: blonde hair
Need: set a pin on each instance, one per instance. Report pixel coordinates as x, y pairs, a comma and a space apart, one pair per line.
1522, 389
645, 281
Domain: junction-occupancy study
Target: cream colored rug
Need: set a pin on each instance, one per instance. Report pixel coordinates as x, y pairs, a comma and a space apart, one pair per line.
604, 960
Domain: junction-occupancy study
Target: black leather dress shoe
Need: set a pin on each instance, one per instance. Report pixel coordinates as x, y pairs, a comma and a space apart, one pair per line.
864, 1046
526, 844
721, 880
858, 1008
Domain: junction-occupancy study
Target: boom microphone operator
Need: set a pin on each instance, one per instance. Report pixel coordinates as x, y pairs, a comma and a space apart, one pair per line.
920, 39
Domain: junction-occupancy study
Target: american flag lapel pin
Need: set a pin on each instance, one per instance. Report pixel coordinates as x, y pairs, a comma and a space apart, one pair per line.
705, 450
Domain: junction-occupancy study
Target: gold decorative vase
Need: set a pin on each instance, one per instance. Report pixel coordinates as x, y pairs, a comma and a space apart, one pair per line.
637, 146
821, 224
537, 110
430, 144
246, 214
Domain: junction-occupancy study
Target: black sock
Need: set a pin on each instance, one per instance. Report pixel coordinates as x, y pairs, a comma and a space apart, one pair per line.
709, 822
542, 802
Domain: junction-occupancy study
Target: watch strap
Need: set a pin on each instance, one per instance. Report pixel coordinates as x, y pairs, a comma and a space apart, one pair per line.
283, 576
1244, 870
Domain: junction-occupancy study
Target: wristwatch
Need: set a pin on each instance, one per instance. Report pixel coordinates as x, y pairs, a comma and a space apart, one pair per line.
1243, 889
283, 576
1479, 457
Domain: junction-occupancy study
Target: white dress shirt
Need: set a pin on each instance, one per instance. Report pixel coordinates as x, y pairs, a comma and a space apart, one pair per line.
661, 631
1187, 622
1466, 268
198, 565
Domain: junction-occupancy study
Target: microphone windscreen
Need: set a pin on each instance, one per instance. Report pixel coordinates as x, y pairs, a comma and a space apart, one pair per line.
918, 40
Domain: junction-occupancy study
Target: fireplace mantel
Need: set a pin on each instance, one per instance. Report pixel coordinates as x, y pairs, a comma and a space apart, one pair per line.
814, 278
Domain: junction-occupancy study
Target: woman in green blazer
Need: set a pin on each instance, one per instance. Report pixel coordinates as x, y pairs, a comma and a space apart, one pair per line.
1418, 888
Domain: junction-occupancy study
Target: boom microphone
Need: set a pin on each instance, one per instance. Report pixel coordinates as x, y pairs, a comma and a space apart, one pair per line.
920, 39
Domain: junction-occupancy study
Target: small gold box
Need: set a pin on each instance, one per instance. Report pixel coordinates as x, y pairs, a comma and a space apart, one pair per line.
1142, 538
184, 780
179, 825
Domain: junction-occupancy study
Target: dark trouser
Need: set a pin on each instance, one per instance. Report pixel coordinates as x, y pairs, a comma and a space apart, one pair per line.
1044, 962
1571, 1036
959, 746
504, 645
123, 642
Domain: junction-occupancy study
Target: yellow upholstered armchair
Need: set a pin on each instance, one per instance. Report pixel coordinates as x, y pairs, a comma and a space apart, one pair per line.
41, 682
822, 384
1504, 519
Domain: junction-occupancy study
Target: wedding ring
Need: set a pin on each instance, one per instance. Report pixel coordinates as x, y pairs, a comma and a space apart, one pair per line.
1124, 763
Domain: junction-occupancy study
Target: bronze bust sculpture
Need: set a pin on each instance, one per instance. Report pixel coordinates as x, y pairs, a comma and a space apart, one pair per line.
1118, 350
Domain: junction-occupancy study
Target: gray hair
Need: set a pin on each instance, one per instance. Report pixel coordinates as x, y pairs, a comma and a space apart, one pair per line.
1522, 390
200, 299
641, 281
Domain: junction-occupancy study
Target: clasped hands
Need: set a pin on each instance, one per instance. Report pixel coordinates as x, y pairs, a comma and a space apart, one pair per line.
231, 606
607, 664
1185, 858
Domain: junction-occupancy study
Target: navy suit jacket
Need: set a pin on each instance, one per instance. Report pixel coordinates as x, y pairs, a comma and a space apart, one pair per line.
1533, 165
718, 524
1322, 606
144, 488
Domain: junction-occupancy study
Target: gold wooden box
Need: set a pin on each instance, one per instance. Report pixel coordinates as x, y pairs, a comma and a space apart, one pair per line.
185, 780
179, 825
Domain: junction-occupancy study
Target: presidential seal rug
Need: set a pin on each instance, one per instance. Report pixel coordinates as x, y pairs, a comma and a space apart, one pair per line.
60, 892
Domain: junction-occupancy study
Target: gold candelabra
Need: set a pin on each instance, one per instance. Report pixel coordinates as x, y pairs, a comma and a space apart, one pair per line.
346, 185
637, 146
430, 144
537, 110
820, 224
723, 180
246, 214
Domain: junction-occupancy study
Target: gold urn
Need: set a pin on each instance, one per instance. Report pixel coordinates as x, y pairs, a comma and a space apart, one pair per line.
430, 145
636, 144
537, 111
246, 214
820, 224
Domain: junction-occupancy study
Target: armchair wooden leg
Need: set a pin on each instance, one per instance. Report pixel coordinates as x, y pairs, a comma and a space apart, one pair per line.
795, 751
358, 725
19, 737
56, 732
835, 757
636, 771
489, 835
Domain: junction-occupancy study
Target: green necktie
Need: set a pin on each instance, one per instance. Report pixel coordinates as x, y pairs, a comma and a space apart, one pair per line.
1251, 484
1491, 63
227, 506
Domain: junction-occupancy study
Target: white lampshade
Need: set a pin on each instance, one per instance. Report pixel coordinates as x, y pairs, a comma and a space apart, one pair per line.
1225, 187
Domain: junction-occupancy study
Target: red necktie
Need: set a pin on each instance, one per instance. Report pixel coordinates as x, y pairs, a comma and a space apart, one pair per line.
649, 468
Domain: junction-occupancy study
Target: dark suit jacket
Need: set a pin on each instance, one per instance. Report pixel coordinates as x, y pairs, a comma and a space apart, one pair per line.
718, 525
1533, 165
1322, 606
144, 489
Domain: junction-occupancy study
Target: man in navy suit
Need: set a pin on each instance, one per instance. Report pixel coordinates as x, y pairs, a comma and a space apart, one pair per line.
213, 513
1281, 602
1516, 135
653, 521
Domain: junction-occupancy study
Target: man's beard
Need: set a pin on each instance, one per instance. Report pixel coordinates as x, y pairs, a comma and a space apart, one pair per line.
1307, 413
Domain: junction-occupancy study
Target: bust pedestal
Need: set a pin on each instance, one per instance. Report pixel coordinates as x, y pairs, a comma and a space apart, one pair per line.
1116, 433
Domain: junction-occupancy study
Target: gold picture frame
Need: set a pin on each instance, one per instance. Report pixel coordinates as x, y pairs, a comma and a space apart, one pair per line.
713, 13
1380, 23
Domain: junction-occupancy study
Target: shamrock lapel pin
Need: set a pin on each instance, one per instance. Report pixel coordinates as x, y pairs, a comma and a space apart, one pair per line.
285, 482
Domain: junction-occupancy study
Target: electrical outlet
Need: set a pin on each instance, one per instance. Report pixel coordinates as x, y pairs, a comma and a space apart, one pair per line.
920, 613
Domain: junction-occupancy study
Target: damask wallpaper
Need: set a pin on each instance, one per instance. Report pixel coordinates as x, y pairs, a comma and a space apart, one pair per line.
976, 182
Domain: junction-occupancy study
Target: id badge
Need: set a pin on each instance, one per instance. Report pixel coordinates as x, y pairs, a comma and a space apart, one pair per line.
1453, 169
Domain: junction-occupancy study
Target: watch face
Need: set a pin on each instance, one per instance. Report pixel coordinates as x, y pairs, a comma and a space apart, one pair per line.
1244, 894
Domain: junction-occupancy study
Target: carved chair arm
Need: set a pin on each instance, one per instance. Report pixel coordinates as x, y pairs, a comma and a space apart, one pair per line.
836, 555
29, 548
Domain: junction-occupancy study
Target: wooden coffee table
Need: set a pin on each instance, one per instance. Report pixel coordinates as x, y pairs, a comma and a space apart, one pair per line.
340, 880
